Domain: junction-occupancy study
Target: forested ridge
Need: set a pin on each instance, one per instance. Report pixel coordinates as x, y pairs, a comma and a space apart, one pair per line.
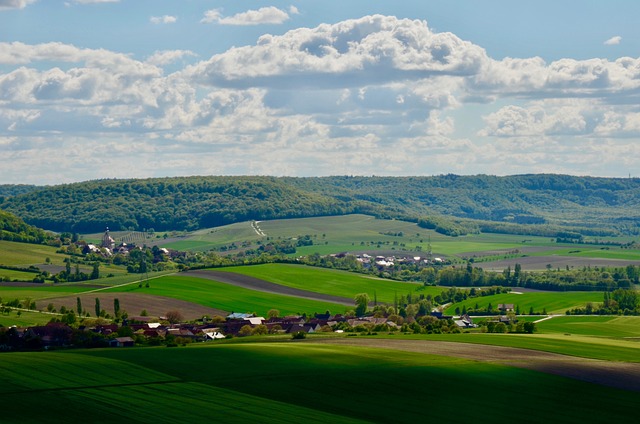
13, 228
542, 203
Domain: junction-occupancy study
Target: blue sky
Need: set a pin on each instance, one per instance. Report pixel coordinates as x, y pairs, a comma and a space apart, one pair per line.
148, 88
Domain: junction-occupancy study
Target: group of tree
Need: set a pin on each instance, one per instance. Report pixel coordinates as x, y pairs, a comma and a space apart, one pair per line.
617, 302
523, 204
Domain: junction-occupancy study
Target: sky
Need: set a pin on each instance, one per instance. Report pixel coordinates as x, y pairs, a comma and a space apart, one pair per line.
93, 89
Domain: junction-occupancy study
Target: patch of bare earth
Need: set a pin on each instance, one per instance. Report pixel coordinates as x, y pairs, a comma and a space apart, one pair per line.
621, 375
134, 304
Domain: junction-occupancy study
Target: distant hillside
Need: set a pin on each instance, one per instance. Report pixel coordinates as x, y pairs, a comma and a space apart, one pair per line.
8, 190
542, 204
13, 228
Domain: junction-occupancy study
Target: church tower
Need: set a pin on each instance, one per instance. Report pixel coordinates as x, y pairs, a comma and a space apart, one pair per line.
107, 240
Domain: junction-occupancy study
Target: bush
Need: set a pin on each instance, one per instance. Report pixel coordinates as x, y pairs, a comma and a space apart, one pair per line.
299, 335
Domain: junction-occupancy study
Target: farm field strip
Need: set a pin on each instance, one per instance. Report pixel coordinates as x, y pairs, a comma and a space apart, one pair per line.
553, 302
597, 326
332, 282
227, 297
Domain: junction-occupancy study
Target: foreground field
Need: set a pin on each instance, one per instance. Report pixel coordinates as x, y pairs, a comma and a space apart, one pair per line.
292, 382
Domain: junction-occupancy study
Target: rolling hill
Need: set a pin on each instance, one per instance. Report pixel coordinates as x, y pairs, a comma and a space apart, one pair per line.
549, 205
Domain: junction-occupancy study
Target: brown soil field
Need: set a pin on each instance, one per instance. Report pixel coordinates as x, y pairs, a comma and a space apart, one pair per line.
265, 286
133, 303
532, 263
621, 375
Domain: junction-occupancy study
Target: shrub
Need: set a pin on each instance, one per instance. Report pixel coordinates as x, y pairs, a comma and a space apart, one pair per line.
299, 335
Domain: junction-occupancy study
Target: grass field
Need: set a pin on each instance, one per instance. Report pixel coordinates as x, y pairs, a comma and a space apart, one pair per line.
599, 326
333, 282
355, 233
289, 382
228, 297
610, 349
553, 302
13, 275
25, 254
25, 319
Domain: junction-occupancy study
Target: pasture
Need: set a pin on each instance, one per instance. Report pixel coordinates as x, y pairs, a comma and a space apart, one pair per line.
552, 302
227, 297
596, 326
330, 383
363, 233
333, 282
25, 254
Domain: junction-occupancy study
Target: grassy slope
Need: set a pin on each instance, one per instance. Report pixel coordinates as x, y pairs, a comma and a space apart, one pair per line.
600, 326
334, 282
554, 302
227, 297
24, 254
295, 382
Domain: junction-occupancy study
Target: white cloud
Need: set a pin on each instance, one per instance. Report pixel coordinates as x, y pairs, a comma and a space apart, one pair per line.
294, 10
613, 41
372, 95
372, 49
165, 57
14, 4
165, 19
264, 15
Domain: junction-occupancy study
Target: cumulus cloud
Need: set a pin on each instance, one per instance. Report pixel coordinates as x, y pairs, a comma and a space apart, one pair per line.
165, 19
371, 95
14, 4
354, 52
613, 41
165, 57
264, 15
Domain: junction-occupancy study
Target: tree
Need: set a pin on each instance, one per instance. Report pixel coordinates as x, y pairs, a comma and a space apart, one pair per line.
246, 330
97, 307
95, 273
174, 316
530, 327
116, 307
259, 330
78, 306
273, 313
362, 302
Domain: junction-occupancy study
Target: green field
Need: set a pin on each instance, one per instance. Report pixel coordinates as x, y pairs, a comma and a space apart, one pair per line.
363, 233
13, 275
25, 319
288, 382
25, 254
333, 282
553, 302
228, 297
599, 326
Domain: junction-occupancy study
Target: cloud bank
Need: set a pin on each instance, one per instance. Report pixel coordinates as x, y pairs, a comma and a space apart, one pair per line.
375, 95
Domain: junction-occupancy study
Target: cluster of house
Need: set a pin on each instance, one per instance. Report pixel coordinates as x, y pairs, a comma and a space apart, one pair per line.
108, 247
382, 262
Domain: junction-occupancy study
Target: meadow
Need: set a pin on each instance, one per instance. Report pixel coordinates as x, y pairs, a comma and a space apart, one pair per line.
289, 382
596, 326
551, 302
227, 297
25, 254
334, 282
364, 233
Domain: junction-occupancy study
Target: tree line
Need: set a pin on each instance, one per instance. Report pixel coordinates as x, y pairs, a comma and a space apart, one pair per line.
451, 204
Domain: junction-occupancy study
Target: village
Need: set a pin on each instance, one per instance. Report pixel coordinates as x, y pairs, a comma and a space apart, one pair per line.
148, 331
